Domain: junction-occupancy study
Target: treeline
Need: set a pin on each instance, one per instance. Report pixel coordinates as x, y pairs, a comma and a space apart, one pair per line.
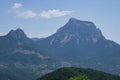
72, 73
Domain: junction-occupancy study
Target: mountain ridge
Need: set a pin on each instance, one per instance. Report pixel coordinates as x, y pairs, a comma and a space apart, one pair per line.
77, 43
20, 55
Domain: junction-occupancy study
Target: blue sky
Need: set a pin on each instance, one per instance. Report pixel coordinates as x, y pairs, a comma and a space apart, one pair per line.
41, 18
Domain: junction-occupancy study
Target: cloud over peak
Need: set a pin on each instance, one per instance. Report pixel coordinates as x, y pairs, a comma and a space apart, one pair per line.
54, 13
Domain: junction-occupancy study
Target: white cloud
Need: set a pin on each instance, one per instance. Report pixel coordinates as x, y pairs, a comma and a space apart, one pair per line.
54, 13
23, 14
43, 14
17, 5
26, 14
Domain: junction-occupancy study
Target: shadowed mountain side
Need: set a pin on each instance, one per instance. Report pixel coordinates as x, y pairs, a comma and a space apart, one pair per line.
21, 59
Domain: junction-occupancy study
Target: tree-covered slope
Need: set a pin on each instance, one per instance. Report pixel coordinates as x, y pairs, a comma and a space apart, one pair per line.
72, 73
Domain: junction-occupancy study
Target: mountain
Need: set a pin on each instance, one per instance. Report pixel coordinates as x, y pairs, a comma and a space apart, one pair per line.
15, 39
20, 58
75, 32
18, 35
81, 43
73, 73
78, 43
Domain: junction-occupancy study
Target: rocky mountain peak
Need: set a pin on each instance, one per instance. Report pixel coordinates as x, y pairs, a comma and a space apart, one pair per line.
77, 31
18, 37
75, 25
17, 34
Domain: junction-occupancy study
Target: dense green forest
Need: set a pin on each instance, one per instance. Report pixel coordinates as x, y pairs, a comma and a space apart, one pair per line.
72, 73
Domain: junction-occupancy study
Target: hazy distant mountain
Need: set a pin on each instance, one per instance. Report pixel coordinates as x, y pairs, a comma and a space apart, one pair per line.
20, 58
14, 39
82, 44
72, 73
37, 39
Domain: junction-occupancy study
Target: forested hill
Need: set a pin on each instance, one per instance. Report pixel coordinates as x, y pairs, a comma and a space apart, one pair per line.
72, 73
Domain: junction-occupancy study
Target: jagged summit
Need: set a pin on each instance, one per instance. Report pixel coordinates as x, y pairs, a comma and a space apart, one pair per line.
17, 37
17, 34
17, 31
